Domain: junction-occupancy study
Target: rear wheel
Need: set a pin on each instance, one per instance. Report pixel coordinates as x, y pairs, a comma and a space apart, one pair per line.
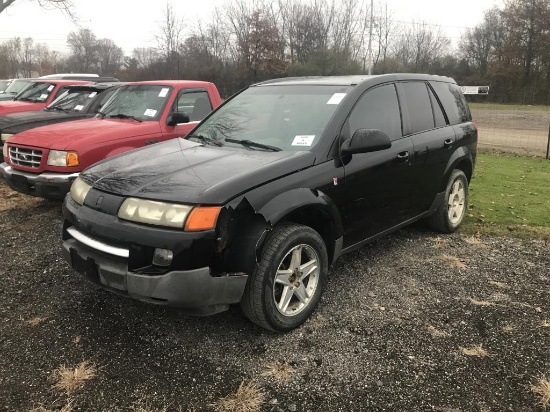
287, 284
451, 212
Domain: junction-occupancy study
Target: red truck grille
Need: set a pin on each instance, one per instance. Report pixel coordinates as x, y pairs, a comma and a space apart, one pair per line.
25, 157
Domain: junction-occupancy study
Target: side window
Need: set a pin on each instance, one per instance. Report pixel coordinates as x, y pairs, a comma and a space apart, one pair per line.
453, 102
419, 106
104, 97
378, 108
195, 104
439, 117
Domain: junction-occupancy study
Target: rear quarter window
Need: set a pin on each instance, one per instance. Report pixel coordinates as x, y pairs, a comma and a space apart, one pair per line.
453, 102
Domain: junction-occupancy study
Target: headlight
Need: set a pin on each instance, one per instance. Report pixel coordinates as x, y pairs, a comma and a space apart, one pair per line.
79, 190
63, 158
5, 136
154, 213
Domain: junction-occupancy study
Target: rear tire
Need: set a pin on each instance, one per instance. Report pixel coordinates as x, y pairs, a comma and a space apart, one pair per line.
287, 283
450, 213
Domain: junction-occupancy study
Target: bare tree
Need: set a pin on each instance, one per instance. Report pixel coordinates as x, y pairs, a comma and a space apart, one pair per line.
83, 45
169, 39
64, 5
110, 56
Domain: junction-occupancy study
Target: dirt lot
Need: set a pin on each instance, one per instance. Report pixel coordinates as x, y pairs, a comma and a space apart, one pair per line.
414, 322
518, 131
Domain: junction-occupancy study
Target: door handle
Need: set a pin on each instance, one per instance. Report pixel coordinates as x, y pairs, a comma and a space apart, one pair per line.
148, 142
403, 156
448, 142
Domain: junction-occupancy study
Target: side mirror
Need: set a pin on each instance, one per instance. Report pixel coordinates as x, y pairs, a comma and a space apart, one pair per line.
366, 140
177, 118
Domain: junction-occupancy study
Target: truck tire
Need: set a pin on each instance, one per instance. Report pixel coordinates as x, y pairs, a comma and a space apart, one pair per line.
450, 214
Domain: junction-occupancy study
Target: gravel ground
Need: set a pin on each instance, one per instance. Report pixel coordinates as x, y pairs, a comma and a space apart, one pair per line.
398, 329
512, 119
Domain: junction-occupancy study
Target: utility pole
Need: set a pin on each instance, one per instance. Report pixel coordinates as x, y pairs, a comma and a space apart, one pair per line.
370, 35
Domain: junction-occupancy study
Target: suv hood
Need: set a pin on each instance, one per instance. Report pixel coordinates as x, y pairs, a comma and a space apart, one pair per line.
18, 122
182, 171
61, 135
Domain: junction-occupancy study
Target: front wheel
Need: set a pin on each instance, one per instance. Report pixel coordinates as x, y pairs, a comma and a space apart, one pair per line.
450, 214
287, 284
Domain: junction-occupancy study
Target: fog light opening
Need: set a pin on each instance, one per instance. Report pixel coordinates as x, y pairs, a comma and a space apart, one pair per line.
162, 257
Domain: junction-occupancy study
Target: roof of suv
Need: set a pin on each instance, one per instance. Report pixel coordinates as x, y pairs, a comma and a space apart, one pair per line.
351, 80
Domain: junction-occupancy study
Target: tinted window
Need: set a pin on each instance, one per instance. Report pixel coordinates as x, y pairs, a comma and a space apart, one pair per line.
195, 104
419, 106
378, 109
439, 117
453, 102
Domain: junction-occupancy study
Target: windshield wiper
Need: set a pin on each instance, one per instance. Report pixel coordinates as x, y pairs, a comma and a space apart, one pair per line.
58, 108
125, 116
204, 139
250, 143
26, 99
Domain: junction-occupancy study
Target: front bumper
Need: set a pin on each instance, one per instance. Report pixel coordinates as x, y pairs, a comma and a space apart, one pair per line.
105, 262
48, 185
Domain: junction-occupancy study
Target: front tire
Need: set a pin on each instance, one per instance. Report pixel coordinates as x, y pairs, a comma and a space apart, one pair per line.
450, 214
287, 284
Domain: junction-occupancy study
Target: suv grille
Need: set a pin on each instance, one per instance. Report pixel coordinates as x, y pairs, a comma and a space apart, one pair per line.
25, 157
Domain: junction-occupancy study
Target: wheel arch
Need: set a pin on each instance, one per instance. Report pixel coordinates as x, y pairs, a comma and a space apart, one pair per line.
460, 159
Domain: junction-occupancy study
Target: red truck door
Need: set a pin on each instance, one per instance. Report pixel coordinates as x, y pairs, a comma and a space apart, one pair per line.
196, 104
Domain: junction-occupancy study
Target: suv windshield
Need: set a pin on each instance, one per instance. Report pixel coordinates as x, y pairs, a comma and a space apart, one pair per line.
143, 102
16, 86
73, 100
284, 117
36, 92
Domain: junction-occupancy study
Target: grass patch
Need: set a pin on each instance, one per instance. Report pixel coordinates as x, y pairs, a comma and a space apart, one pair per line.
542, 388
280, 372
502, 106
71, 379
509, 194
475, 350
248, 398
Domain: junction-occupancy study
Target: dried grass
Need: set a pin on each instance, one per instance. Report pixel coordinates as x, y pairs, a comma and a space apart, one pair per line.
545, 323
475, 350
438, 243
542, 388
71, 379
453, 261
143, 406
474, 241
501, 285
280, 372
481, 302
68, 407
249, 397
436, 332
507, 328
36, 320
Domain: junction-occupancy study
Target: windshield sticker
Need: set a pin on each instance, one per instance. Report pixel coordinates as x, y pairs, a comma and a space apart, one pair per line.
51, 88
92, 94
303, 140
164, 92
43, 97
336, 98
78, 107
150, 113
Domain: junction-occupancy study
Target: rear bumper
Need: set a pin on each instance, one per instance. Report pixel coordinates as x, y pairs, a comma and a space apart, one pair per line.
196, 290
48, 185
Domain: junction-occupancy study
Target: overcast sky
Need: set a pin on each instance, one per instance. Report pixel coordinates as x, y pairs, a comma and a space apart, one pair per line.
133, 23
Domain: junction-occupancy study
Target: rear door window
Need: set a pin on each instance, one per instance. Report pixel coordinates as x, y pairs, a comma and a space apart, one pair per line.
419, 106
453, 102
439, 117
378, 109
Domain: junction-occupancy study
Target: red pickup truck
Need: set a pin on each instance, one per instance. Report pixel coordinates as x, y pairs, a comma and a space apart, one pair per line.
45, 160
37, 95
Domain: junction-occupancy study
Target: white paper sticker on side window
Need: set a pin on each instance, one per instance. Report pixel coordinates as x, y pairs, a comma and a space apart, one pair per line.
336, 98
164, 92
92, 94
51, 88
43, 97
303, 140
78, 107
150, 113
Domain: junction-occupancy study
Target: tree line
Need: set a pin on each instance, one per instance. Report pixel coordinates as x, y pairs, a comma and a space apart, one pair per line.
247, 41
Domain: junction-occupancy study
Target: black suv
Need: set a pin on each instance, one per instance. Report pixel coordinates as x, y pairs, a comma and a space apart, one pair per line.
270, 189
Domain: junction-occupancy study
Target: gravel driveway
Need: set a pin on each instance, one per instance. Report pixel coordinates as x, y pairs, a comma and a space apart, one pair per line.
412, 322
